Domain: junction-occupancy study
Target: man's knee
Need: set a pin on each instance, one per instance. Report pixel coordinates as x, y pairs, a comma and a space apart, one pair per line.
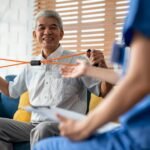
39, 131
43, 130
3, 126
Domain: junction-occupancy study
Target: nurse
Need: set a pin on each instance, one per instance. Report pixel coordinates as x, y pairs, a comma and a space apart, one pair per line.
130, 100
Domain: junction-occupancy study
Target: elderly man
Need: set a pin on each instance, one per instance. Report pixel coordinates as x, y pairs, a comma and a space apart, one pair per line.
45, 85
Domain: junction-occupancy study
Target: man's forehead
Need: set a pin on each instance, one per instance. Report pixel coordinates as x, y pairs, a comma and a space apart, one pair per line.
43, 18
47, 21
43, 24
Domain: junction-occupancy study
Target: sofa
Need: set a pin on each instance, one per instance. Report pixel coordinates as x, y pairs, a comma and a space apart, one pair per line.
8, 107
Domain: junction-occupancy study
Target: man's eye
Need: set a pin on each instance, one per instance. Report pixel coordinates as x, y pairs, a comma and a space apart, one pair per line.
41, 28
53, 28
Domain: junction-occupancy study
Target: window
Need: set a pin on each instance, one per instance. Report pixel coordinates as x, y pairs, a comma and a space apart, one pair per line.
88, 23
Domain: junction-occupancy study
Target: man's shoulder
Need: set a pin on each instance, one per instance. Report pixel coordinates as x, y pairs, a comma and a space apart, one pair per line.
69, 52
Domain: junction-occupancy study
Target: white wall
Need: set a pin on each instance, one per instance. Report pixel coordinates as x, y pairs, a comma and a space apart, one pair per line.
15, 32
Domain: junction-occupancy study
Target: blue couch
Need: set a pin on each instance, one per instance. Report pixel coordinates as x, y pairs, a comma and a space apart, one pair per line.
8, 107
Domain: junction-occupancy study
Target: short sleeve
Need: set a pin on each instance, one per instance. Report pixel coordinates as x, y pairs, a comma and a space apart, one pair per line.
91, 84
18, 86
138, 19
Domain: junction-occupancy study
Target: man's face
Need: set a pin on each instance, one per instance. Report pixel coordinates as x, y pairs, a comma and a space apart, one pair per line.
48, 33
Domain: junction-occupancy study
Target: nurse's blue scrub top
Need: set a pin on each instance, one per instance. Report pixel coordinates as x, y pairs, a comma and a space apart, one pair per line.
137, 120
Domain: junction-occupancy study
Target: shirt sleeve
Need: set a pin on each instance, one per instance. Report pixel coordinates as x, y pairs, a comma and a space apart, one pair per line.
18, 86
138, 19
91, 84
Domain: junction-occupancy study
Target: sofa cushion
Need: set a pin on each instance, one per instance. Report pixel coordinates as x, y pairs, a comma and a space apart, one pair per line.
20, 114
94, 101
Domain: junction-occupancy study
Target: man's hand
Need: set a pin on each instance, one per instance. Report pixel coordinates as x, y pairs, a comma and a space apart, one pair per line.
96, 58
4, 86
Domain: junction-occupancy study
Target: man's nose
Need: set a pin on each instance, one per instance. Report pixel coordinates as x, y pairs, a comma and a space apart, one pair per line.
47, 31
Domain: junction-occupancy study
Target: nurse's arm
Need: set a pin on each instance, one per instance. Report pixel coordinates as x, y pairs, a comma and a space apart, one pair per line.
130, 90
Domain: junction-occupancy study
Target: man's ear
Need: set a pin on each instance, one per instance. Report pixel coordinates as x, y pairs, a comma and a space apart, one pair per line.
34, 34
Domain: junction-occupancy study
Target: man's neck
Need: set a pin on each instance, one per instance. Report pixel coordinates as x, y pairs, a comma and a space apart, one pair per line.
47, 52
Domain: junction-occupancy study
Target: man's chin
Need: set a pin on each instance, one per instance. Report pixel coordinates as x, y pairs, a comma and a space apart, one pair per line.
48, 48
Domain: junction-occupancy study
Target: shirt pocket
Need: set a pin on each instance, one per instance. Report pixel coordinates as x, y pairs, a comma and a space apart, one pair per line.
63, 88
35, 79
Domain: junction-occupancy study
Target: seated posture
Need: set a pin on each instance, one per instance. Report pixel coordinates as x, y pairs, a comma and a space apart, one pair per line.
130, 99
45, 85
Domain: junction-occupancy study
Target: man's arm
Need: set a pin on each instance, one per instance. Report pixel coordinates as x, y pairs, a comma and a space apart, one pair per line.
4, 86
106, 75
96, 58
104, 88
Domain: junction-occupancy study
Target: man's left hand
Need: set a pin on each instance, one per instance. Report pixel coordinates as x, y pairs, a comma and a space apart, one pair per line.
96, 58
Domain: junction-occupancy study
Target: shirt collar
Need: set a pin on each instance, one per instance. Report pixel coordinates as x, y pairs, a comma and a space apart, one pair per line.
57, 53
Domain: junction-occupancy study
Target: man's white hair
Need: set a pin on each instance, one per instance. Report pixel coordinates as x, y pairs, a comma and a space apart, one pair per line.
49, 14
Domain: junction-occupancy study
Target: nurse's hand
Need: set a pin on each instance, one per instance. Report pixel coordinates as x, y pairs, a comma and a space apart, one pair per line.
74, 71
75, 130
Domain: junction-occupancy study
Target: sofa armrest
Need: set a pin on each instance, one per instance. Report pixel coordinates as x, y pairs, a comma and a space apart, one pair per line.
8, 106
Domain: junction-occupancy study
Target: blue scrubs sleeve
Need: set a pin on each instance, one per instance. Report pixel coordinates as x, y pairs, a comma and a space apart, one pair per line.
138, 19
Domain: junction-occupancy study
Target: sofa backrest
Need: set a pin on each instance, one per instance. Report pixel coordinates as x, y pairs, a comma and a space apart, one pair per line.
8, 106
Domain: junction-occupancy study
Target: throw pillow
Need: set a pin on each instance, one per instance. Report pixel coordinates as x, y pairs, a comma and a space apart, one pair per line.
94, 101
20, 114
